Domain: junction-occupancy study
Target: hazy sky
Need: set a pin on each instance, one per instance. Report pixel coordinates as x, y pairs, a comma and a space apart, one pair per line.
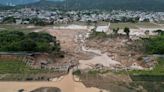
21, 1
56, 0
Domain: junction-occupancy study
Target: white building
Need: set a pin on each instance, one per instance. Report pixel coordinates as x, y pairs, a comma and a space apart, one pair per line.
103, 28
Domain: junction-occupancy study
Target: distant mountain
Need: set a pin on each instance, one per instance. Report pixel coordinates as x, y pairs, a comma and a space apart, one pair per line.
117, 4
46, 4
1, 5
16, 2
19, 2
150, 5
156, 5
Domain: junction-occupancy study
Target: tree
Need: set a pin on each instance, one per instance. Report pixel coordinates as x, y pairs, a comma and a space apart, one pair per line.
155, 45
37, 22
9, 20
127, 31
89, 22
160, 32
115, 31
28, 45
147, 32
31, 42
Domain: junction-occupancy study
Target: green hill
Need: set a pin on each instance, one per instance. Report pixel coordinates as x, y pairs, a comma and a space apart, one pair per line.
156, 5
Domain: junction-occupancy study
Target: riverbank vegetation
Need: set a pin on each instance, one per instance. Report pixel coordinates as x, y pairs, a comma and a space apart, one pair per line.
17, 66
14, 41
157, 70
155, 45
151, 45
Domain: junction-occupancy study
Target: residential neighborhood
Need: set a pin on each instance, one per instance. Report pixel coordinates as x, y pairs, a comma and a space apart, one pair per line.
32, 16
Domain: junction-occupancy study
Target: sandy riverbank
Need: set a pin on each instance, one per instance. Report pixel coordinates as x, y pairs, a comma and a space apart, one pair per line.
67, 84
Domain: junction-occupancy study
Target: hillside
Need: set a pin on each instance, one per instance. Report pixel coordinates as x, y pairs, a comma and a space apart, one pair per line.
16, 2
117, 4
1, 5
45, 4
150, 5
156, 5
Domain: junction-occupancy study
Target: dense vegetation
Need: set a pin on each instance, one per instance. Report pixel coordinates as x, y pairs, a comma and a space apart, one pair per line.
149, 45
32, 42
39, 22
156, 5
155, 45
148, 86
151, 5
17, 1
77, 72
46, 4
9, 20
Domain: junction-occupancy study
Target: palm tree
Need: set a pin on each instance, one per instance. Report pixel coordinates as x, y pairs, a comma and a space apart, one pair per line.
127, 31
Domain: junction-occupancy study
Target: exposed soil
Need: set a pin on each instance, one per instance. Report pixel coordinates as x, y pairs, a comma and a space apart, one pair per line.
68, 43
109, 81
47, 89
118, 49
66, 84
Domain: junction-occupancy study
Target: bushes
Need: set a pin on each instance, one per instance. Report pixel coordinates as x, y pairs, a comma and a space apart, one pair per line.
40, 22
9, 20
32, 42
157, 74
151, 45
155, 45
77, 72
155, 78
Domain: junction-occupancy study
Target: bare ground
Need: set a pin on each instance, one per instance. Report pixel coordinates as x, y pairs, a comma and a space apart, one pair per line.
118, 49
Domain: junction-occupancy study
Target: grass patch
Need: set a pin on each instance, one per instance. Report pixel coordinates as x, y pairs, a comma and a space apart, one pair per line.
123, 25
133, 25
158, 70
157, 74
17, 67
22, 28
93, 72
147, 25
